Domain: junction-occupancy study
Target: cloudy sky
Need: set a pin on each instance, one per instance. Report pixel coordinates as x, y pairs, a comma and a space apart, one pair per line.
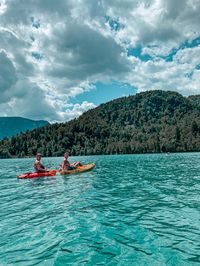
59, 58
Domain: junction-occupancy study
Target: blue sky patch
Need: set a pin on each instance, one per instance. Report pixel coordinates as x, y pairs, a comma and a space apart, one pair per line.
114, 24
185, 45
137, 52
170, 56
105, 92
37, 55
193, 43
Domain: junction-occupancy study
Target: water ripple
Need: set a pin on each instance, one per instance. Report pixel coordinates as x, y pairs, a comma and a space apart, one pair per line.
130, 210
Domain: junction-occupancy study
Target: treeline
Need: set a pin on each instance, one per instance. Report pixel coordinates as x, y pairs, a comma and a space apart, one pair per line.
153, 121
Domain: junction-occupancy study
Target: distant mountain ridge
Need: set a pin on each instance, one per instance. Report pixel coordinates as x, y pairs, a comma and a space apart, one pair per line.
11, 126
148, 122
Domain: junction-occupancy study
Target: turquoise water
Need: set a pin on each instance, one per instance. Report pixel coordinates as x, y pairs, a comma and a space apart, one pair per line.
130, 210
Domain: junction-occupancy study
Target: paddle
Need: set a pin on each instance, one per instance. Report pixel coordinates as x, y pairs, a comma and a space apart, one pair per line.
27, 174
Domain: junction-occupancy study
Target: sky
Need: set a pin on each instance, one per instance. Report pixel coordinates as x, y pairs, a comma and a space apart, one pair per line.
60, 58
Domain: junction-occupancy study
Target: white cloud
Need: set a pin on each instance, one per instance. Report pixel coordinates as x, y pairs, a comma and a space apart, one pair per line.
76, 110
52, 51
8, 76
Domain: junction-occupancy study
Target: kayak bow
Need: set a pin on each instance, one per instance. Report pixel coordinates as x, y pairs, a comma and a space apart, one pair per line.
79, 169
32, 175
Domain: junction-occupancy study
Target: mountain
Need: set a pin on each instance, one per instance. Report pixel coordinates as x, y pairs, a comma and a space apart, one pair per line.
152, 121
11, 126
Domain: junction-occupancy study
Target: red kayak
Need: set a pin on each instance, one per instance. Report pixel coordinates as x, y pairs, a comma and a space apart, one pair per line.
32, 175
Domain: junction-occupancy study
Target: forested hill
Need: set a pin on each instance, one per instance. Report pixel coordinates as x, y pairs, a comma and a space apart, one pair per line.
10, 126
153, 121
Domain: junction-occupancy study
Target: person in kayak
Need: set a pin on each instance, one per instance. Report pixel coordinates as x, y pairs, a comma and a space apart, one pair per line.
39, 168
66, 164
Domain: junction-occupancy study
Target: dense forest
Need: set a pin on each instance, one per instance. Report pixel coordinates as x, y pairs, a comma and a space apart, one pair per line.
153, 121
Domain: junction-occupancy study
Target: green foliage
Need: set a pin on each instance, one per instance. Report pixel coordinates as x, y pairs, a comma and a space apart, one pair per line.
154, 121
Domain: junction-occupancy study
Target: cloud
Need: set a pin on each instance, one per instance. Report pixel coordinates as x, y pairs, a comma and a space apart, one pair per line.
85, 53
8, 76
52, 51
76, 110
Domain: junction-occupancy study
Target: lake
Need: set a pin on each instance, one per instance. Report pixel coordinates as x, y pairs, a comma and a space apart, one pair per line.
129, 210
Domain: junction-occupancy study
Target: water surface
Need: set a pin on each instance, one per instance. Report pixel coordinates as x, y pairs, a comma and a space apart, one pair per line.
130, 210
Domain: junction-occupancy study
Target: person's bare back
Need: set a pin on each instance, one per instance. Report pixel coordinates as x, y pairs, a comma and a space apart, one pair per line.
39, 168
66, 164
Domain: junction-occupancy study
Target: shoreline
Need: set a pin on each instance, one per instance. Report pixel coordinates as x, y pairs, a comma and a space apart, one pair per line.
116, 154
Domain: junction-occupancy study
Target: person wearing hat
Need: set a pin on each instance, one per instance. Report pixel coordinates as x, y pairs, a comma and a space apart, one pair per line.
39, 168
